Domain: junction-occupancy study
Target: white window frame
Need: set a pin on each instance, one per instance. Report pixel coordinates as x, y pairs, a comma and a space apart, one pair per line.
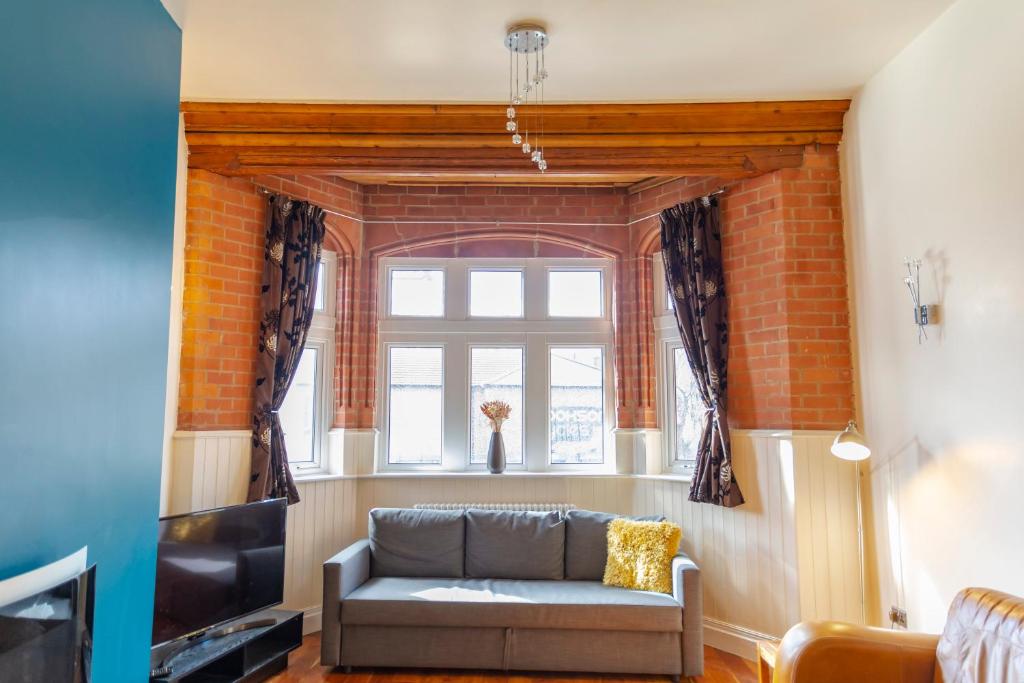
535, 332
493, 269
666, 331
322, 337
479, 466
386, 406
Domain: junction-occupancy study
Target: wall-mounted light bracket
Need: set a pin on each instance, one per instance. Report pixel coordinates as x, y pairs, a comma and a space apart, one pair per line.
924, 314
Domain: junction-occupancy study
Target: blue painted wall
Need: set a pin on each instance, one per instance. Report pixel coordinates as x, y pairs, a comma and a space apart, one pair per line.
88, 143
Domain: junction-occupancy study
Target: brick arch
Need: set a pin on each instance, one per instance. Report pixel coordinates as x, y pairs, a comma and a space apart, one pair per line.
337, 241
361, 362
454, 237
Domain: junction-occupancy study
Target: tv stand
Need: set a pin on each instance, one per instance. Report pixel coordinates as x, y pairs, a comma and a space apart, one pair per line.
244, 651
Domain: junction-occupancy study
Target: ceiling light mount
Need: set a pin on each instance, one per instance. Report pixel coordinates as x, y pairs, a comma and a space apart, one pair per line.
524, 38
526, 75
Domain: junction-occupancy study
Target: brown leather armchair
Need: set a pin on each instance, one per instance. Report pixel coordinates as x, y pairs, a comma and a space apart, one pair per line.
982, 642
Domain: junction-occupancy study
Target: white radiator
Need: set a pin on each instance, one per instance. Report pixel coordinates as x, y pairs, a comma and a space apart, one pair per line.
514, 507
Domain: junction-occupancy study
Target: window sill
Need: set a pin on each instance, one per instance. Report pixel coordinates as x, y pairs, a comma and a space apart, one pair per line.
319, 476
398, 474
671, 476
685, 478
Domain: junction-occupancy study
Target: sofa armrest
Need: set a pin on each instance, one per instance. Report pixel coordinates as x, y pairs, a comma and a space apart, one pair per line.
833, 652
343, 573
687, 590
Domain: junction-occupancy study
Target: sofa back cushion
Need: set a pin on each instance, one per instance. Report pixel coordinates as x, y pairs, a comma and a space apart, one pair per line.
406, 542
514, 545
586, 543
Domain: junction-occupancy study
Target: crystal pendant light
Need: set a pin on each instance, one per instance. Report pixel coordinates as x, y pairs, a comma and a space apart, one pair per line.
526, 75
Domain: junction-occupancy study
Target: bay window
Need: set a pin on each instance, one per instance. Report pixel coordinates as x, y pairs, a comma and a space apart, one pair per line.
535, 333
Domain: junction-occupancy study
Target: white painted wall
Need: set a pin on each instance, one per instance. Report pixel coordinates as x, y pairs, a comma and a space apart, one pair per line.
933, 168
174, 327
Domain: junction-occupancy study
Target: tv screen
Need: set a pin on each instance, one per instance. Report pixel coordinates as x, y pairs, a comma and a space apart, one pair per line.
216, 566
48, 636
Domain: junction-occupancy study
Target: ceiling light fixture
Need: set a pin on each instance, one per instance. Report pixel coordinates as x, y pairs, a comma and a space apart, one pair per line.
526, 86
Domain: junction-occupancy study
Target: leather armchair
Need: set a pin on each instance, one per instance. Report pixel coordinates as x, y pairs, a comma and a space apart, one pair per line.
982, 642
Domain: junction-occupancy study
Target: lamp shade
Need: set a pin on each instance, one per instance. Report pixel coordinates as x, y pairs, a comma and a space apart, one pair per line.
850, 444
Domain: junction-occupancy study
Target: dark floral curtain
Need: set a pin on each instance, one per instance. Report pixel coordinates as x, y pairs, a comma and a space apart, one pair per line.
691, 245
291, 256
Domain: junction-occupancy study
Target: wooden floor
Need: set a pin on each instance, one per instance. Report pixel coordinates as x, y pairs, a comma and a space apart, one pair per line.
304, 667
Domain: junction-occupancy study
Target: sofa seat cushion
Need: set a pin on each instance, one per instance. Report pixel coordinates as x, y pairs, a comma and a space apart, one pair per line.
509, 603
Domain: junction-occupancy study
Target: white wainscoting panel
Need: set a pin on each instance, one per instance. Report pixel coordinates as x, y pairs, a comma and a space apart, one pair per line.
791, 553
208, 470
828, 529
211, 469
319, 526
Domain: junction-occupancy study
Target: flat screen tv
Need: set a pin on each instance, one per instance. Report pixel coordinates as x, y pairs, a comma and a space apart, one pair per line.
47, 636
217, 566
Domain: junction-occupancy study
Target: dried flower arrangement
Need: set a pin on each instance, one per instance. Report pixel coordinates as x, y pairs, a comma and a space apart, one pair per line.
497, 412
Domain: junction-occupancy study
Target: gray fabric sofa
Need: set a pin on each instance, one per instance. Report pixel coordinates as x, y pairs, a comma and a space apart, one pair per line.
521, 591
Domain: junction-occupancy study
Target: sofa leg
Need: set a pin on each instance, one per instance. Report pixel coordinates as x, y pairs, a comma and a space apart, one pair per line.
675, 679
348, 669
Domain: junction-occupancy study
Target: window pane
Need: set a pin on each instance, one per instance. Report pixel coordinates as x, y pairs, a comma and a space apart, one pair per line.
689, 409
577, 405
298, 412
497, 375
575, 293
496, 293
320, 299
415, 404
417, 292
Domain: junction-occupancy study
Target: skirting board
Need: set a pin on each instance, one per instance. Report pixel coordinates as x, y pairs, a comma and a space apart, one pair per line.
312, 620
733, 639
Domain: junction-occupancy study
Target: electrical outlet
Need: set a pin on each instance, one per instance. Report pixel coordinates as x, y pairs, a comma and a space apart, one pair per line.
898, 616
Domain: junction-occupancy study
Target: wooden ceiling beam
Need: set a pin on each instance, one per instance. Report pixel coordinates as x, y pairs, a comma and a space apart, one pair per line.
456, 119
639, 140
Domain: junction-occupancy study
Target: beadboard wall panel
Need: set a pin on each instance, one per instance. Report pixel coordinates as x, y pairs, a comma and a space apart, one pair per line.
791, 553
748, 554
211, 470
610, 493
319, 526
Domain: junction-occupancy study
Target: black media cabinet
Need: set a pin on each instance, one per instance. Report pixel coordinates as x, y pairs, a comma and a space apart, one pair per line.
242, 657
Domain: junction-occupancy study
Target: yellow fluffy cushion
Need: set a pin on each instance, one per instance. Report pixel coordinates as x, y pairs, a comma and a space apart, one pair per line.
640, 554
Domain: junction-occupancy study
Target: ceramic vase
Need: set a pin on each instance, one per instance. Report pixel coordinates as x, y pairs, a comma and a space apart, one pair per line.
496, 454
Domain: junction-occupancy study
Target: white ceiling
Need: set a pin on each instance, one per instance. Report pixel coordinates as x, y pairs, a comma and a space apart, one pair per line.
601, 50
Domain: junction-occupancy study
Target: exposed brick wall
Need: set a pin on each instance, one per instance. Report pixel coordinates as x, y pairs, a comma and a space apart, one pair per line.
789, 338
223, 257
529, 204
790, 363
820, 359
460, 222
223, 266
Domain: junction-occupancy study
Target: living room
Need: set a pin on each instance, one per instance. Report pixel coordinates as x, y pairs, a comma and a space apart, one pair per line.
569, 341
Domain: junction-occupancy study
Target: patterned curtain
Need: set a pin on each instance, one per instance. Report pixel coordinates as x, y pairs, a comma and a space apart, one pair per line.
691, 245
291, 256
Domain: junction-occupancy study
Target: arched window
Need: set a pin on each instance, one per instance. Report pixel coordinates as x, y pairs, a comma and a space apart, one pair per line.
534, 332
